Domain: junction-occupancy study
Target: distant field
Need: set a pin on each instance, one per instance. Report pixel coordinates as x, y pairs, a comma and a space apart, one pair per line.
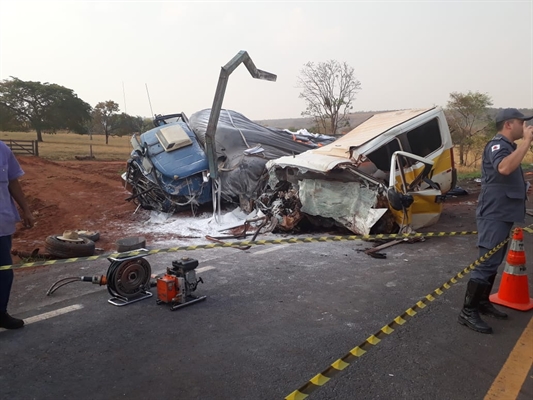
295, 124
65, 146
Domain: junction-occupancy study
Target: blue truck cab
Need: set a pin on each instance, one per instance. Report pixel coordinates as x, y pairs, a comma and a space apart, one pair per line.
168, 168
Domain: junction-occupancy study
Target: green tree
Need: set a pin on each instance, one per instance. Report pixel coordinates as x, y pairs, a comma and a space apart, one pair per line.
44, 107
104, 118
127, 124
468, 119
107, 121
328, 88
10, 121
147, 124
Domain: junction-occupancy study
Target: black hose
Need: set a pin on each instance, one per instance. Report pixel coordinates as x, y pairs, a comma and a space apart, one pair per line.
64, 281
111, 272
113, 277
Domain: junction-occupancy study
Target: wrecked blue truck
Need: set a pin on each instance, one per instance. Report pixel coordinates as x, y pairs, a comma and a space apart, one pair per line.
389, 174
168, 170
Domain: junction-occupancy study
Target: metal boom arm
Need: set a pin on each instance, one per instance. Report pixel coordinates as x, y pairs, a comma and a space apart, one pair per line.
241, 57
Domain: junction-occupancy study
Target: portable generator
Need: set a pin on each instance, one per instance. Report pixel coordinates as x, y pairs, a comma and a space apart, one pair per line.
176, 286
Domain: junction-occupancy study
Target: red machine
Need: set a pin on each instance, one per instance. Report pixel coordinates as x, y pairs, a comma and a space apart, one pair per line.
176, 286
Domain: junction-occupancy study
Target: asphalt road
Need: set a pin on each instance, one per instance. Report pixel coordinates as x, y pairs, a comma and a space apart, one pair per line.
275, 316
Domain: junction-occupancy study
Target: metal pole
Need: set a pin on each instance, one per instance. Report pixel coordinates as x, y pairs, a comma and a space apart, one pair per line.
124, 94
149, 101
225, 72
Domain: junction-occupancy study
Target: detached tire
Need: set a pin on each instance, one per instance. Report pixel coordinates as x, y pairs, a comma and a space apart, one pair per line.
65, 249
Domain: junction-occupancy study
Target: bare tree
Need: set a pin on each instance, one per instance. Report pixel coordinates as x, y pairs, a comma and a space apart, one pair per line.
329, 89
467, 117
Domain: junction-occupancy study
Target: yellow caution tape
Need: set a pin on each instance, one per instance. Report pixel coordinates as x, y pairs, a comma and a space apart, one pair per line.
241, 244
337, 366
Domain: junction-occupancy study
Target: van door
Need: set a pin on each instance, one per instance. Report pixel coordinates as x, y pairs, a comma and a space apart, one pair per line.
415, 201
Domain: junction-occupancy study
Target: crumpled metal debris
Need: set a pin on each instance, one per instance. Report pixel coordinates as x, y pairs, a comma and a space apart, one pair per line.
283, 207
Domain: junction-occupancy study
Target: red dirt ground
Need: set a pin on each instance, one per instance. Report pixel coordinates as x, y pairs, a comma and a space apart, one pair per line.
74, 195
90, 195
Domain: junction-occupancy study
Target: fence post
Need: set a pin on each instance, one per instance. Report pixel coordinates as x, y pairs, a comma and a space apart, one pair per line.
36, 147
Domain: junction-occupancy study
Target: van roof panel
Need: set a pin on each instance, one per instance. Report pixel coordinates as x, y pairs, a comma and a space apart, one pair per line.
368, 130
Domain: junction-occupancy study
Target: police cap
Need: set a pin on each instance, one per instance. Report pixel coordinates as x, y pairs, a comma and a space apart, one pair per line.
511, 113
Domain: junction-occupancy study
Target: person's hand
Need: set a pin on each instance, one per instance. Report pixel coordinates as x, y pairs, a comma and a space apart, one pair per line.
27, 219
528, 133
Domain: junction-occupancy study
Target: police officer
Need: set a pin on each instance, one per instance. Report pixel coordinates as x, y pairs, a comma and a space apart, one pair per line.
501, 203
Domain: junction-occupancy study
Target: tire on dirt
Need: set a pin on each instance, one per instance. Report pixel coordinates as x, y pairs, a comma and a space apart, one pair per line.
64, 249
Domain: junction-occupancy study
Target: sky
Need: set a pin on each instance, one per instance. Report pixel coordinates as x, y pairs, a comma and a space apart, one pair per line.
163, 57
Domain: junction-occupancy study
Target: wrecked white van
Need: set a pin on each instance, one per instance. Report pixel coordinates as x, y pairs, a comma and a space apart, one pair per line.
388, 174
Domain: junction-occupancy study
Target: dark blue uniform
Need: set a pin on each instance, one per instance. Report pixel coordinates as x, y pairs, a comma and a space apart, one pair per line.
501, 203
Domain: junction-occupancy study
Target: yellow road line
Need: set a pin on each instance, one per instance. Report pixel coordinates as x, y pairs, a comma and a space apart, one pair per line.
509, 381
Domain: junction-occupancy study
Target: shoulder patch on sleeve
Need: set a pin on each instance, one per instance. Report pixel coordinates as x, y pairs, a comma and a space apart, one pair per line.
495, 147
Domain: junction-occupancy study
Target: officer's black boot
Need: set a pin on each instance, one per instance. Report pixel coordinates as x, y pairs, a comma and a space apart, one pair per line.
469, 315
486, 307
8, 322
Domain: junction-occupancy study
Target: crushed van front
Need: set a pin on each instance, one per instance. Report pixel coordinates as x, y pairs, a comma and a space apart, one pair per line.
401, 155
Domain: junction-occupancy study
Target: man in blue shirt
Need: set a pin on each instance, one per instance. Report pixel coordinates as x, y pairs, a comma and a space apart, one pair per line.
501, 203
10, 192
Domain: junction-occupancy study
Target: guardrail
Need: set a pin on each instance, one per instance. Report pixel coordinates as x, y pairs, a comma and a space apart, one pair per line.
23, 146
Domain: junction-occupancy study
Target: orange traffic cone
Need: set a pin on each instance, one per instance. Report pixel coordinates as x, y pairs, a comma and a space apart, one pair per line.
514, 289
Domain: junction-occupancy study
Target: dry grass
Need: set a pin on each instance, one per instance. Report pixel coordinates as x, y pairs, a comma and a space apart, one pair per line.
475, 169
65, 146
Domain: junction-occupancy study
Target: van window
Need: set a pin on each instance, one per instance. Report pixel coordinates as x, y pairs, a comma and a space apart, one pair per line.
382, 156
425, 139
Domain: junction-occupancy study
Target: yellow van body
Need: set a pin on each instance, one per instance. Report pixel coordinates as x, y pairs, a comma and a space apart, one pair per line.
404, 154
